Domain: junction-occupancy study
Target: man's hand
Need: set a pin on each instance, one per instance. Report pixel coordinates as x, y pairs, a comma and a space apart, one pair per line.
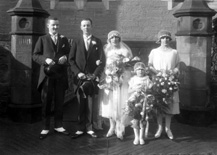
81, 76
49, 61
62, 60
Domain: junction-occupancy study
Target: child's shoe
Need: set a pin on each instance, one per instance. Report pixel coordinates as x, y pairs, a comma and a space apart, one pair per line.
141, 141
136, 141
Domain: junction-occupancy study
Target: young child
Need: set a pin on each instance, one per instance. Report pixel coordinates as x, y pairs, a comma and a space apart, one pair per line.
139, 85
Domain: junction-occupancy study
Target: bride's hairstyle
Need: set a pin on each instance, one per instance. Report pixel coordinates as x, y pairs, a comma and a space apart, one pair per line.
108, 47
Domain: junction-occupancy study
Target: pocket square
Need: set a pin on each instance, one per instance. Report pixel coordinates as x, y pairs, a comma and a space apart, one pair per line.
63, 45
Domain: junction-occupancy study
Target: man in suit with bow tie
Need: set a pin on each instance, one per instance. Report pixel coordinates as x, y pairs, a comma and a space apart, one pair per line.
51, 53
87, 62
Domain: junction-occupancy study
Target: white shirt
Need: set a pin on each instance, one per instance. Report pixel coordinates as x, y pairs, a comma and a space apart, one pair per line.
87, 41
54, 38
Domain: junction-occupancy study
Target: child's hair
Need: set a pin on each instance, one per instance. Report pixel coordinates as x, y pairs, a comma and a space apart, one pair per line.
139, 65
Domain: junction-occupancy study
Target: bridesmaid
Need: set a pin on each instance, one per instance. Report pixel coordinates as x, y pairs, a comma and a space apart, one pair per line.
165, 58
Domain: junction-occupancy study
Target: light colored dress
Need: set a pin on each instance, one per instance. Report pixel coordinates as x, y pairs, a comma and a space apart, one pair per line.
166, 60
112, 102
136, 83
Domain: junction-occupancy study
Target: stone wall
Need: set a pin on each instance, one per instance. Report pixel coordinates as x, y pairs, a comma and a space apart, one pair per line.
137, 20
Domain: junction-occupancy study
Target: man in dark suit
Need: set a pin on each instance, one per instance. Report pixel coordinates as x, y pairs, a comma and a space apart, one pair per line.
51, 52
87, 61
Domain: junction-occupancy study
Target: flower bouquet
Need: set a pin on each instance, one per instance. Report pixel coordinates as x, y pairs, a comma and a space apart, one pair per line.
165, 83
114, 69
138, 102
138, 106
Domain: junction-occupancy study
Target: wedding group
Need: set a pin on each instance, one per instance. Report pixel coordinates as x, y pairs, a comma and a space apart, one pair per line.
109, 82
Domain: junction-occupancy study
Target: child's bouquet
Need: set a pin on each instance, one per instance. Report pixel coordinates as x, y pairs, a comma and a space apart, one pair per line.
138, 106
165, 83
136, 103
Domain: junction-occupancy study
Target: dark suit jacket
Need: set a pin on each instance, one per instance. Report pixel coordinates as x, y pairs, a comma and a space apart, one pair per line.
45, 48
84, 61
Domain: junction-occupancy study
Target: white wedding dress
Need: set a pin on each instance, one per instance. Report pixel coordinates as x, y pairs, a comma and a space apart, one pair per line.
113, 101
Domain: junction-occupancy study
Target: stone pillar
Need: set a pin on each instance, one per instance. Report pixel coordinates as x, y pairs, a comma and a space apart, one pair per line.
194, 31
27, 24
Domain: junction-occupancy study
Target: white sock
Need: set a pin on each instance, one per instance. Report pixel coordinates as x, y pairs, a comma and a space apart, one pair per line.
90, 132
44, 131
61, 129
79, 132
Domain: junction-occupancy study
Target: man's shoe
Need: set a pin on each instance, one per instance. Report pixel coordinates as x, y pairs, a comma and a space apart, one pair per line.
62, 132
77, 134
42, 136
92, 134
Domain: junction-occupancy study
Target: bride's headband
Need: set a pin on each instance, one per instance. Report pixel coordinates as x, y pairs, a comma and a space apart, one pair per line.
113, 33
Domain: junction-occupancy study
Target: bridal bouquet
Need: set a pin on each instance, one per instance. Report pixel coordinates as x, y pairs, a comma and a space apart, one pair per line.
165, 83
114, 70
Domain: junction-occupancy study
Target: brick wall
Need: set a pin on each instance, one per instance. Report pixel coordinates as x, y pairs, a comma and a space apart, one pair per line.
137, 20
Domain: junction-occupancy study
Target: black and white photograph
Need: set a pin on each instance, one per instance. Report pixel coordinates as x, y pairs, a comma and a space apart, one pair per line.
108, 77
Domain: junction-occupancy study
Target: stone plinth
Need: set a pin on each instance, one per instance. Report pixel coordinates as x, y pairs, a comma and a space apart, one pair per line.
28, 23
194, 31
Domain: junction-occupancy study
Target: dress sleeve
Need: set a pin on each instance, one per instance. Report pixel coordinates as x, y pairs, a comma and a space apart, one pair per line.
150, 57
177, 58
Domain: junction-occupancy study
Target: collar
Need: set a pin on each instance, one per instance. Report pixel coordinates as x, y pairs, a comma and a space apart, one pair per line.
87, 37
53, 35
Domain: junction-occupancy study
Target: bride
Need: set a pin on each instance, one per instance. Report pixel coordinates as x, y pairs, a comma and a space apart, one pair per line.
112, 100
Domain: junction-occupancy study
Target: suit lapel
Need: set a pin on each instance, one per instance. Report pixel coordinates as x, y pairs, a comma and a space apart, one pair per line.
82, 45
90, 46
59, 43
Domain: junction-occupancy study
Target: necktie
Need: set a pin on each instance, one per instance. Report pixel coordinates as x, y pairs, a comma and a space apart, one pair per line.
54, 38
86, 41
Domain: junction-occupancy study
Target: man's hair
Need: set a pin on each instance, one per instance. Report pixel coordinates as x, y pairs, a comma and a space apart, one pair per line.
51, 18
87, 19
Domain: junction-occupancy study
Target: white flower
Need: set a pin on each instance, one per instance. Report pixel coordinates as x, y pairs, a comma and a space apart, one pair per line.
136, 58
62, 36
170, 88
97, 79
108, 79
98, 62
164, 91
106, 91
93, 42
109, 61
126, 60
162, 83
159, 74
107, 72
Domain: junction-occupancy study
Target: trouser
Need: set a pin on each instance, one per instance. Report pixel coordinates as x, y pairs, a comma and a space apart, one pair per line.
85, 117
52, 95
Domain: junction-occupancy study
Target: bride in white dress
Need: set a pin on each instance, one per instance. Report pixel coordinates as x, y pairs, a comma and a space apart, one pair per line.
112, 101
